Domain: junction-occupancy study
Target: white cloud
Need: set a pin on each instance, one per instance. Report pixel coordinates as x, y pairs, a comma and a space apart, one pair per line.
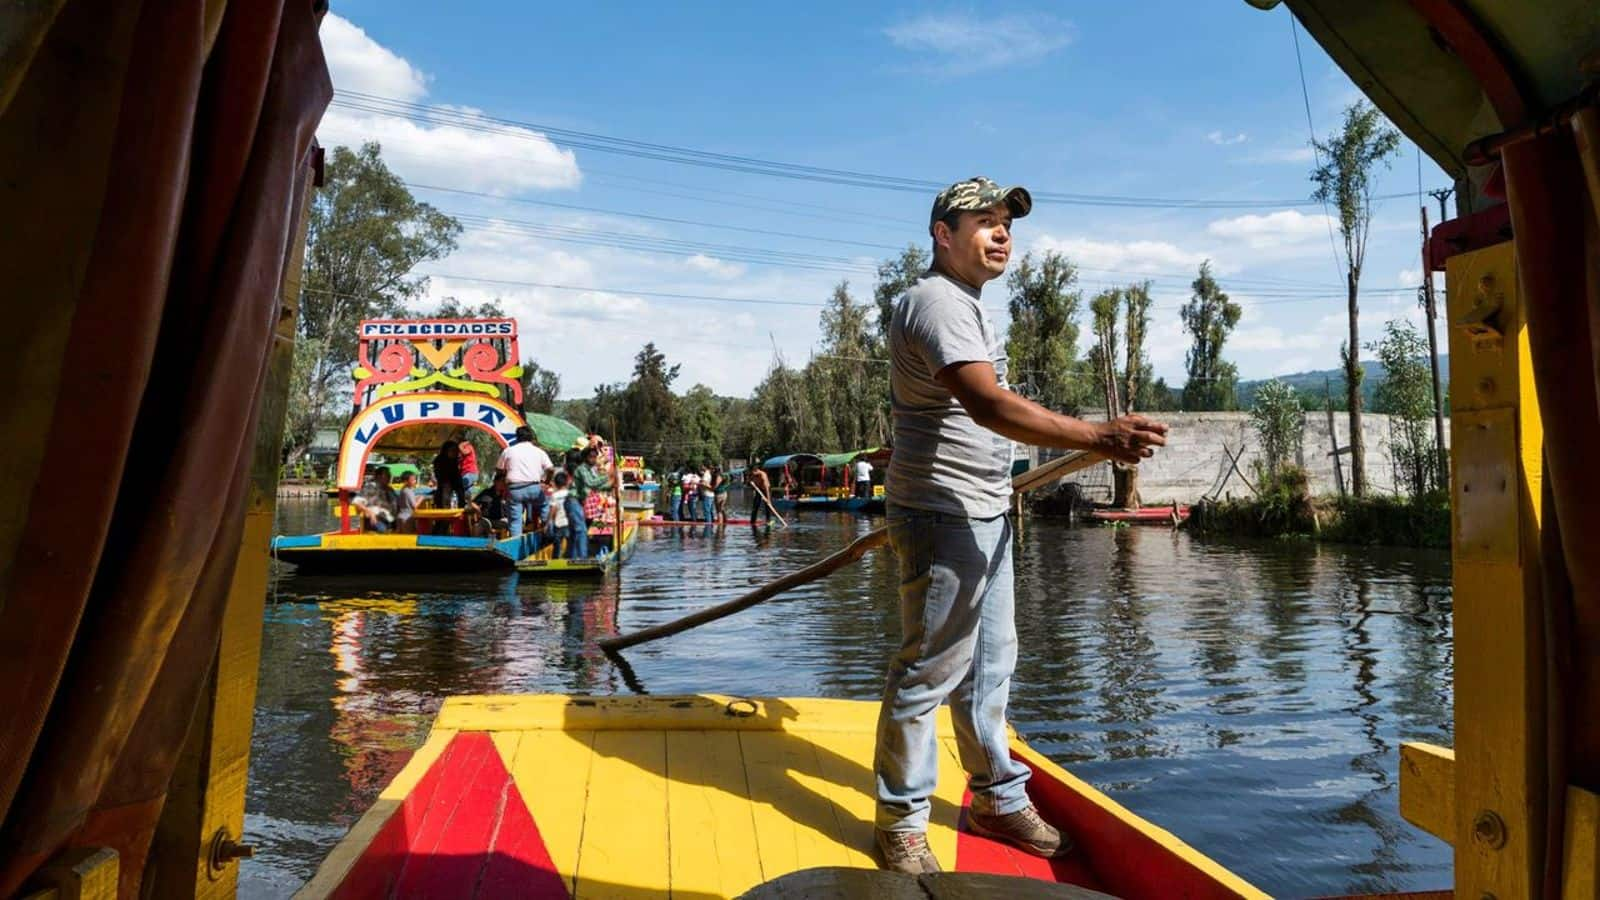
1408, 278
360, 64
1279, 229
1124, 257
710, 265
458, 147
1299, 155
1223, 140
506, 161
963, 42
588, 337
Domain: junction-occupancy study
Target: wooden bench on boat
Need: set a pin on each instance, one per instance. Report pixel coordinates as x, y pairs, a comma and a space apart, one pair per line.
700, 796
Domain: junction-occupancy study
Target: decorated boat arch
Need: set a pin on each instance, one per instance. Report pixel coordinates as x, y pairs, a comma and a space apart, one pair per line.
418, 384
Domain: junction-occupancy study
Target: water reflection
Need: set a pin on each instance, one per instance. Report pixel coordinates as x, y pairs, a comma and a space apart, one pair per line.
1249, 697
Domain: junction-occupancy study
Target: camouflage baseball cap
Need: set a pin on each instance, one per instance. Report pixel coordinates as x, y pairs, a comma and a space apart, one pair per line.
979, 193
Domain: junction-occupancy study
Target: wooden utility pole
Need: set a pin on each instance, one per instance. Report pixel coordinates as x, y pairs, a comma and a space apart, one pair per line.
1333, 438
1441, 459
1441, 195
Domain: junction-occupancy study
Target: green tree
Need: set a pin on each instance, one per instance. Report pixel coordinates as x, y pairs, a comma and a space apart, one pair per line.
1136, 325
365, 234
1042, 342
780, 412
1406, 394
895, 277
1157, 396
451, 308
1279, 422
852, 381
698, 437
1103, 309
1343, 178
540, 388
649, 408
1209, 317
1121, 388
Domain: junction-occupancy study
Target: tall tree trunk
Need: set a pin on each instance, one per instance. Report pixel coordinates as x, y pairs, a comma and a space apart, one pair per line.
1125, 478
1352, 382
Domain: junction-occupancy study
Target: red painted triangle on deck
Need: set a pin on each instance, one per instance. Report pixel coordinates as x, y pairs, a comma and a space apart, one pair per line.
979, 854
464, 831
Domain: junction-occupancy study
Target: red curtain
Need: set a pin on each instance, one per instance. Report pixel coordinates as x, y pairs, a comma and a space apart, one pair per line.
160, 152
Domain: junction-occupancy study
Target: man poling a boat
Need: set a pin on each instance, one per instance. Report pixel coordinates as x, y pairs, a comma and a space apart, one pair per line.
948, 490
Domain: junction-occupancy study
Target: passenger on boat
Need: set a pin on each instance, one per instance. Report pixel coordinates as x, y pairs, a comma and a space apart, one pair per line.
489, 513
468, 468
760, 493
378, 504
448, 490
708, 495
586, 481
863, 478
559, 531
525, 463
406, 506
719, 490
949, 488
691, 496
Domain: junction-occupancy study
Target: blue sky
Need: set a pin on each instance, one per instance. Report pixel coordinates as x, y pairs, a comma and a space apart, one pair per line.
1172, 101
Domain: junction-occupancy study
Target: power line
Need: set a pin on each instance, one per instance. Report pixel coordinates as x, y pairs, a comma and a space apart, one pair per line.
1235, 280
745, 164
653, 218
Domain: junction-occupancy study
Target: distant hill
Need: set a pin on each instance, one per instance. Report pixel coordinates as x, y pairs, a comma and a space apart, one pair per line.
1311, 384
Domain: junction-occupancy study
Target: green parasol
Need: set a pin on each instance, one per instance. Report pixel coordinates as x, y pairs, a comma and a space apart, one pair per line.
554, 433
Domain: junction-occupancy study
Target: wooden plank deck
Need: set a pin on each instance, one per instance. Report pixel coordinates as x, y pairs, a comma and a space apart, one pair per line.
549, 796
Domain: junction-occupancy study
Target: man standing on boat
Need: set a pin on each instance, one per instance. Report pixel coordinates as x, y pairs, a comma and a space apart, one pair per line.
948, 490
863, 470
525, 463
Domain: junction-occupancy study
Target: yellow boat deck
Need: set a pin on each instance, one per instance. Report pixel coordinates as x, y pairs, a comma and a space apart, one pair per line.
701, 796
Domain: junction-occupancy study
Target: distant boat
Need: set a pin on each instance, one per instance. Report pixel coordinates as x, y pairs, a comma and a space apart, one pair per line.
1144, 515
419, 383
809, 481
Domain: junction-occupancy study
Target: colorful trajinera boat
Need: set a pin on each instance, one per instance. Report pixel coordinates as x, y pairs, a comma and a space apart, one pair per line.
1144, 515
700, 796
419, 383
825, 481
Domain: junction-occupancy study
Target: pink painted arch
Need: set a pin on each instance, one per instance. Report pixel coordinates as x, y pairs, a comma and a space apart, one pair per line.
366, 430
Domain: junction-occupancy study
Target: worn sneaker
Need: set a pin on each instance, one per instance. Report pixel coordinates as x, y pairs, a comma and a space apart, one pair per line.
1024, 829
906, 852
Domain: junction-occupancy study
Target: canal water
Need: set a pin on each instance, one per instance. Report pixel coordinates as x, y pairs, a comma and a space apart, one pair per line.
1249, 697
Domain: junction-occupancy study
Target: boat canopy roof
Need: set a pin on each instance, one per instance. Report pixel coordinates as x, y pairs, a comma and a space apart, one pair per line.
832, 460
778, 462
1426, 88
554, 433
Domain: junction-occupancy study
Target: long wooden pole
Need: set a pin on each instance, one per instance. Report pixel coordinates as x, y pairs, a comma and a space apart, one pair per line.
1441, 458
1027, 481
770, 508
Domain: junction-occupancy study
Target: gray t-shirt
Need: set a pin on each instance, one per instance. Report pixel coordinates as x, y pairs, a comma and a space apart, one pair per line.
943, 461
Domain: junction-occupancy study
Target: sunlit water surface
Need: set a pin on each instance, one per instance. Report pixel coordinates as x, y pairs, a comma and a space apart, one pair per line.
1250, 697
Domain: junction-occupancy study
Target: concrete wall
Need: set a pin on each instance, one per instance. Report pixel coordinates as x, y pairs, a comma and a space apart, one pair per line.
1194, 463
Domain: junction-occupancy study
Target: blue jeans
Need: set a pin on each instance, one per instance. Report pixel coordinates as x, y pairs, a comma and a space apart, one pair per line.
958, 640
526, 499
708, 507
578, 527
